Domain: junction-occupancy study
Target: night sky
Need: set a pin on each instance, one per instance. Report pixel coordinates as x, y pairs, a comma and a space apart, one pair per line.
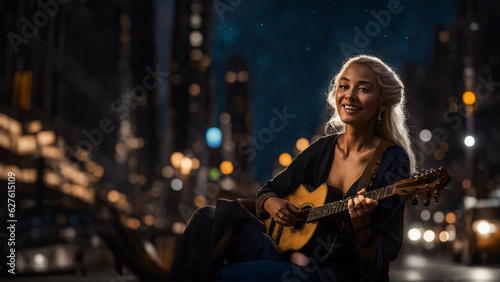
293, 50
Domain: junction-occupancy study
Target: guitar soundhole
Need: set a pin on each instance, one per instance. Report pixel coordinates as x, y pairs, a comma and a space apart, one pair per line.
299, 224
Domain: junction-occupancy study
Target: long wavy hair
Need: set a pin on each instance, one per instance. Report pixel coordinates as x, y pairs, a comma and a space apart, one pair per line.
393, 126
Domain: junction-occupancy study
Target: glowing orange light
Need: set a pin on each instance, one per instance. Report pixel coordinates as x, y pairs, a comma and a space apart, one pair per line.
200, 201
196, 163
113, 196
285, 159
149, 219
226, 167
133, 223
176, 159
450, 218
469, 98
301, 144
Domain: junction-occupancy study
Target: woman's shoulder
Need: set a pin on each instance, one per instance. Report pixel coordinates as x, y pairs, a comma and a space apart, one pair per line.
324, 140
319, 147
396, 150
395, 153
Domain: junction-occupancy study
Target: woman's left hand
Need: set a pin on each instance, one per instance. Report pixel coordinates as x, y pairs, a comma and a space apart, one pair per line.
360, 208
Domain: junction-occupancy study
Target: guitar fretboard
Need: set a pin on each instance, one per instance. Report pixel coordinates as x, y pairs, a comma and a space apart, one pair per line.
340, 206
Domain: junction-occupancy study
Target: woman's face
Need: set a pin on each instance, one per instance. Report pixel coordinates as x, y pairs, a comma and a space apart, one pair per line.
358, 98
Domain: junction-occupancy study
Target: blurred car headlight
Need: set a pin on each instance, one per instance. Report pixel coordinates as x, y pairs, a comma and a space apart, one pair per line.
484, 227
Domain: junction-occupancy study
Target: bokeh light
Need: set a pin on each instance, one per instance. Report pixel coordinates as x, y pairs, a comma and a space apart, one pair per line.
469, 98
414, 234
302, 144
176, 159
285, 159
469, 141
214, 137
176, 184
429, 236
425, 135
226, 167
214, 174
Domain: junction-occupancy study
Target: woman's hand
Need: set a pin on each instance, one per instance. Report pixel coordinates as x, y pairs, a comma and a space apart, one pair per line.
284, 212
360, 209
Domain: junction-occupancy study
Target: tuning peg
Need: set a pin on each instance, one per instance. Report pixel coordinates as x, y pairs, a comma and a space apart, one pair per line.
426, 185
445, 188
426, 203
414, 201
436, 196
440, 168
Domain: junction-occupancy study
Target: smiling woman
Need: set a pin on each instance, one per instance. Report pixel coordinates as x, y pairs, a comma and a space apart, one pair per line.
366, 152
366, 80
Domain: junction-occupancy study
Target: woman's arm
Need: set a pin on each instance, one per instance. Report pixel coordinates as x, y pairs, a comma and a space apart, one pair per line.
387, 219
300, 170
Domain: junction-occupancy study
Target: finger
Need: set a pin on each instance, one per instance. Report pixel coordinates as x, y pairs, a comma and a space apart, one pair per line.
282, 217
357, 203
292, 208
350, 206
288, 215
362, 191
350, 203
368, 201
364, 202
281, 221
361, 199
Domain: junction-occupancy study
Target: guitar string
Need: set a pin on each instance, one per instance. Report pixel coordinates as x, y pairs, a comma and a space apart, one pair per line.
325, 210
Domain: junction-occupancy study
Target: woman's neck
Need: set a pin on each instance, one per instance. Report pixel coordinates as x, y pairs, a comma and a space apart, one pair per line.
356, 139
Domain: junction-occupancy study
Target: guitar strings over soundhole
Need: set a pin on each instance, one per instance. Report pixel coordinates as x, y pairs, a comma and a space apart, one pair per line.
304, 213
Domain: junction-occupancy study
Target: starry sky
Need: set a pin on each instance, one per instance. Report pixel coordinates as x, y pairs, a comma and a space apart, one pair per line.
294, 48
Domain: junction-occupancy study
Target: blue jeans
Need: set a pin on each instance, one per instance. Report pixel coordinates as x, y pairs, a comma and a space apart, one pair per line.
266, 270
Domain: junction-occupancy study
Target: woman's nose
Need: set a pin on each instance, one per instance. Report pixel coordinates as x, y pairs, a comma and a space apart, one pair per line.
351, 94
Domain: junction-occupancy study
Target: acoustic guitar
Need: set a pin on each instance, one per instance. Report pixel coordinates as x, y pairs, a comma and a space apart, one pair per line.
316, 231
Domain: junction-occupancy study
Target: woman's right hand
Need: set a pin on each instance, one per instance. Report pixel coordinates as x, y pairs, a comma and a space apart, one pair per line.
284, 212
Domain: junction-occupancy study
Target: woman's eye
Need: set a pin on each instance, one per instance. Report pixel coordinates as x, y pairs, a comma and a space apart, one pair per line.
363, 89
343, 86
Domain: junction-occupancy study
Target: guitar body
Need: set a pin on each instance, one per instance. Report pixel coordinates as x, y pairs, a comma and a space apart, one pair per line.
314, 239
316, 232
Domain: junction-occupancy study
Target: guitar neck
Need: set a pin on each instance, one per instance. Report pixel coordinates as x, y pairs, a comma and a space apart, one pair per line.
340, 206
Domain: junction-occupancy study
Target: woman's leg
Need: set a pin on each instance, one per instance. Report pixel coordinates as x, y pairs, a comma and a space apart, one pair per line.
193, 249
266, 270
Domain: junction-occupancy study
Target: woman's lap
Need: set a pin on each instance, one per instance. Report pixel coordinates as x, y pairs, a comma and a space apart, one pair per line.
266, 270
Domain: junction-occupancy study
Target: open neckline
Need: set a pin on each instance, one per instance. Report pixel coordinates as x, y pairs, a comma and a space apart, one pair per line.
355, 183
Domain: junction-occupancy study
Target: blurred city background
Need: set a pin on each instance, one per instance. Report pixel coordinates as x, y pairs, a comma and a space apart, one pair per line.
118, 118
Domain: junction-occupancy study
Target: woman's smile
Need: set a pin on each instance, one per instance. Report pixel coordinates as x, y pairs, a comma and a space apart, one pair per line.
358, 98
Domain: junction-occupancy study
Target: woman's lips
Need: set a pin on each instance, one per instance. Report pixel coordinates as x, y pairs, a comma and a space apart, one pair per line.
350, 109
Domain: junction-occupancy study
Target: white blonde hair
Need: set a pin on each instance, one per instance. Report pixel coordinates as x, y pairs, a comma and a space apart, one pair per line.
393, 126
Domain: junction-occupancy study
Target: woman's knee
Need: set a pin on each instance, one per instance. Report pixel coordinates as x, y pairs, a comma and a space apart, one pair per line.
203, 214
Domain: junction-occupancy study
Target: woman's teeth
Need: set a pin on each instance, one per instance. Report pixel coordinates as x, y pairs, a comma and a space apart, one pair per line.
349, 107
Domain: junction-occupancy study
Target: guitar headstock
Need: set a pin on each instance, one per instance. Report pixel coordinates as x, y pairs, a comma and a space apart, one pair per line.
429, 184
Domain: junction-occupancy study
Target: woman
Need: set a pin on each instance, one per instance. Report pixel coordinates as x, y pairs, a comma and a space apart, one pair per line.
367, 98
